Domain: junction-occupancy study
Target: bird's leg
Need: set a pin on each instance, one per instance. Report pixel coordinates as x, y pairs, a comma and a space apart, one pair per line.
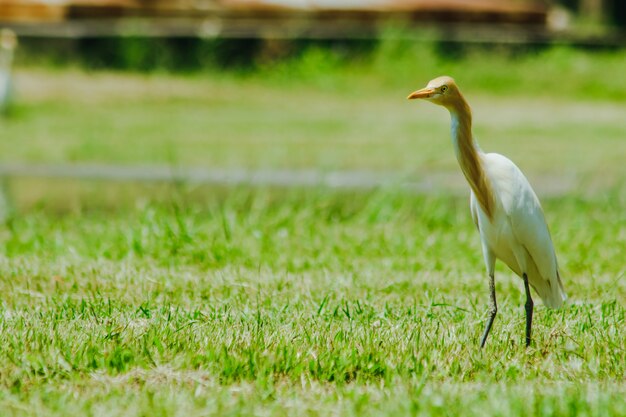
529, 309
493, 309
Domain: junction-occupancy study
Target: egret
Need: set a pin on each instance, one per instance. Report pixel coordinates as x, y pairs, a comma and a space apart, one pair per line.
504, 208
8, 42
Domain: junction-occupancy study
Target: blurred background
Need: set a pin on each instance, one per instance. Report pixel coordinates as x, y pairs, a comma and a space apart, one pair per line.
106, 100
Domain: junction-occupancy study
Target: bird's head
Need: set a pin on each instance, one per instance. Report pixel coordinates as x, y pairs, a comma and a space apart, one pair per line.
8, 40
441, 90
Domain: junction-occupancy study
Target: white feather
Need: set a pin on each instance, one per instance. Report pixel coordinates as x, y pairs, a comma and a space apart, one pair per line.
518, 234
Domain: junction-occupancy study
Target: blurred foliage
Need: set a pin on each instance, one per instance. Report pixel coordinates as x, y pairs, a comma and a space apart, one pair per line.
618, 14
394, 59
193, 54
176, 54
614, 11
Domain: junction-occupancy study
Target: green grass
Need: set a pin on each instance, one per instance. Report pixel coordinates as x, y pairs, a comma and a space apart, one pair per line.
259, 301
178, 300
557, 112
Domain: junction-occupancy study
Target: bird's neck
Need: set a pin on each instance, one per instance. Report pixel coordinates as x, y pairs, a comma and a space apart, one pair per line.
470, 156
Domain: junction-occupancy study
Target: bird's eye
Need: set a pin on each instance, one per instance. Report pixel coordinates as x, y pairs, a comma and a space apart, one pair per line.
444, 88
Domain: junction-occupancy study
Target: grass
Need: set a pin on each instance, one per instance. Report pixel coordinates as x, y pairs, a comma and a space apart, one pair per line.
556, 112
266, 302
176, 300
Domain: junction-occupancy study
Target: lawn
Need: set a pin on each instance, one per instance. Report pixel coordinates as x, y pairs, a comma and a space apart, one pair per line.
180, 300
356, 117
257, 302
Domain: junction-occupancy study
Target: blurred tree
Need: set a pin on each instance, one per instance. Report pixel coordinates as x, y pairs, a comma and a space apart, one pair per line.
570, 4
605, 11
593, 9
617, 12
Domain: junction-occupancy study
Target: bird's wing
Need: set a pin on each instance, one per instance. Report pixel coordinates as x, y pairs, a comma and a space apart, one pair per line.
522, 207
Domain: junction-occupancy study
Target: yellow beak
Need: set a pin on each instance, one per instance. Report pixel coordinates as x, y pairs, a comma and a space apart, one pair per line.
423, 93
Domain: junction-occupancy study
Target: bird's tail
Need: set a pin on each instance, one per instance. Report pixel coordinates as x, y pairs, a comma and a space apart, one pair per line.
555, 296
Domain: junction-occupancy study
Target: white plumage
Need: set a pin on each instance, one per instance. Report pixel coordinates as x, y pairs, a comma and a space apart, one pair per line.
518, 234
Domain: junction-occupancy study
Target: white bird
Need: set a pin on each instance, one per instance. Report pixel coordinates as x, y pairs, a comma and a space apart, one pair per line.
8, 42
504, 208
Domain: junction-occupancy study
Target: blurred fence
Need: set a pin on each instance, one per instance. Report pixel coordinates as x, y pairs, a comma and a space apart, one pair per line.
282, 11
259, 18
498, 21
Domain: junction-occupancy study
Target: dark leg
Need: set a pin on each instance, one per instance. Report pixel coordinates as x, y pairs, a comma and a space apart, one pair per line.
529, 310
493, 309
